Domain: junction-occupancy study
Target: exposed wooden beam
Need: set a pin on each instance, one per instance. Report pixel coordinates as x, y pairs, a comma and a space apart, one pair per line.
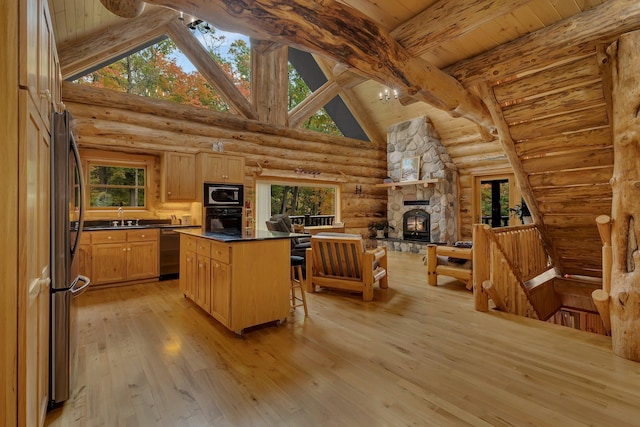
313, 102
508, 145
326, 29
270, 81
83, 54
446, 20
565, 39
82, 94
209, 68
124, 8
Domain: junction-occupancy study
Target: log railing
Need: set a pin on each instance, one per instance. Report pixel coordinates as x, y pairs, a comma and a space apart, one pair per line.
312, 220
505, 260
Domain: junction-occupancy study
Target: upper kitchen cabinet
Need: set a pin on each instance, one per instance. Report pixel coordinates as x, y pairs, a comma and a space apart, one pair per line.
220, 168
39, 68
179, 177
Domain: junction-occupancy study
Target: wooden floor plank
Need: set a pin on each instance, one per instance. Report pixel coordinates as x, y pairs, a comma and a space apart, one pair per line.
416, 355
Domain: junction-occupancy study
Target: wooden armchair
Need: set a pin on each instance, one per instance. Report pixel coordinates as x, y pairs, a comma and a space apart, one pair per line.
339, 261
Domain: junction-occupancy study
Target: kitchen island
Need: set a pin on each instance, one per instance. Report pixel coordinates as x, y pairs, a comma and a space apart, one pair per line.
240, 280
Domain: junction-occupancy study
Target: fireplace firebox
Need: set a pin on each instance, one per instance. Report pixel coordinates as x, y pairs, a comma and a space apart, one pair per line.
416, 225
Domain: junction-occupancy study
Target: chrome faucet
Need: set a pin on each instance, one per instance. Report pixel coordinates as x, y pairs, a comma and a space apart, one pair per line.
120, 215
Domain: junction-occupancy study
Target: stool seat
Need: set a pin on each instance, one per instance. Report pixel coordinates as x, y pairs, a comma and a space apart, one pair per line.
296, 260
296, 283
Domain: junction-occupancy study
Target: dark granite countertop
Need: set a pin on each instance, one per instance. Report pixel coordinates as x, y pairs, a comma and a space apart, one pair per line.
97, 225
254, 235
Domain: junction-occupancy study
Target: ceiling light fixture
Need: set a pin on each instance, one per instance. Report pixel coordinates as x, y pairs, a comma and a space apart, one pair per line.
386, 96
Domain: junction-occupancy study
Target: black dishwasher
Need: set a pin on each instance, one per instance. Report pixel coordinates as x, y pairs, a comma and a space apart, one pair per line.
169, 254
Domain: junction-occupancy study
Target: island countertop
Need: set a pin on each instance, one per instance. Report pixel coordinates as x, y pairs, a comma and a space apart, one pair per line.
253, 235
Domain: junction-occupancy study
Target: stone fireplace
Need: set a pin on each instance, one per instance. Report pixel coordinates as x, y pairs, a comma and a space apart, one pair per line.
418, 138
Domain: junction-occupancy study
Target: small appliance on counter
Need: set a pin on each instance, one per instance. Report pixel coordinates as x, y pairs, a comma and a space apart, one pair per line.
186, 219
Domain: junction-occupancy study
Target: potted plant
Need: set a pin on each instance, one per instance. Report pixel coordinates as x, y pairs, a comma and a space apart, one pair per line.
522, 212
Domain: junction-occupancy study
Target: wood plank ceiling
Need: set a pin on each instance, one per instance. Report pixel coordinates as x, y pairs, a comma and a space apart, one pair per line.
536, 64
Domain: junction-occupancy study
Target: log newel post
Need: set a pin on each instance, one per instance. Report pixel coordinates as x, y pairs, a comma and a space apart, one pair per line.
601, 296
481, 266
624, 293
432, 261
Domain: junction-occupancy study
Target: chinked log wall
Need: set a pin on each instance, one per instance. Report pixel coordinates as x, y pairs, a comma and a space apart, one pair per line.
118, 121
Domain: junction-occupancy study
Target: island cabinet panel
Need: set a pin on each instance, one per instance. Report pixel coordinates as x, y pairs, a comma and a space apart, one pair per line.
123, 255
245, 283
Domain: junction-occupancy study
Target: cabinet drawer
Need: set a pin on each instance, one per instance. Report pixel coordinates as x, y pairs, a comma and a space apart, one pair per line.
142, 235
189, 243
108, 237
221, 252
203, 247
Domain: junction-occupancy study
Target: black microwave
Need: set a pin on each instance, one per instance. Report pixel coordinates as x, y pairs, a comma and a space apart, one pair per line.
223, 195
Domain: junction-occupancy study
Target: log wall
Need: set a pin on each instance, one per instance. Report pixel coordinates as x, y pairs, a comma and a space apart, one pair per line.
126, 123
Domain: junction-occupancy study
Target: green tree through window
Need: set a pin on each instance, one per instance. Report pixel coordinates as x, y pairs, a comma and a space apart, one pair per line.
116, 186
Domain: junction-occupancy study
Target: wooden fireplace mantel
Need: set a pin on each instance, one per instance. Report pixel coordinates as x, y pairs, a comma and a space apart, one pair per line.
398, 185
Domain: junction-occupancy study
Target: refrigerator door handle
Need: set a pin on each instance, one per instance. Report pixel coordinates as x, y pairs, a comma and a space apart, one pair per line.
75, 290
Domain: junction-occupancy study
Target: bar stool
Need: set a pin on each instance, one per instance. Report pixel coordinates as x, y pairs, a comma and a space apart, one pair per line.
296, 269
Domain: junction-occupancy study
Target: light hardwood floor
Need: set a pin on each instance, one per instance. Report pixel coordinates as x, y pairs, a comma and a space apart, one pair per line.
416, 355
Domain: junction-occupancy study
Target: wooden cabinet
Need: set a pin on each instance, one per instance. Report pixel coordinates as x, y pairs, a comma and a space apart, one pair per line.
215, 167
179, 177
240, 284
123, 255
84, 255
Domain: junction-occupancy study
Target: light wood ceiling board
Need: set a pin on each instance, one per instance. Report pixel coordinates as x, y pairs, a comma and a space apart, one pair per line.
573, 74
536, 15
568, 101
446, 20
583, 120
574, 34
566, 8
560, 144
387, 14
572, 177
576, 160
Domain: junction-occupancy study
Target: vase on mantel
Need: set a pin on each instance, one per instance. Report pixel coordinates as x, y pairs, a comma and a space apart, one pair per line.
380, 234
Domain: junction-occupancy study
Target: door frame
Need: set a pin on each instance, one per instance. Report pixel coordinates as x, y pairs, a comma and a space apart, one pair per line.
515, 195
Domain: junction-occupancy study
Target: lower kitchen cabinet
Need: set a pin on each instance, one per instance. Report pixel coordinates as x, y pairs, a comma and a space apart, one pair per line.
239, 283
123, 255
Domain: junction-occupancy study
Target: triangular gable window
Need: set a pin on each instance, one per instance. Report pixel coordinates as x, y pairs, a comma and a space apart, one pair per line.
298, 92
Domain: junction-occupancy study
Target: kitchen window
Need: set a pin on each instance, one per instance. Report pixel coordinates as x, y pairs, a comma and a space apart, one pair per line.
117, 185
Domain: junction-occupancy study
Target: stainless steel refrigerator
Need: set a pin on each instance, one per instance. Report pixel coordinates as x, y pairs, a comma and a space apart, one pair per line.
67, 217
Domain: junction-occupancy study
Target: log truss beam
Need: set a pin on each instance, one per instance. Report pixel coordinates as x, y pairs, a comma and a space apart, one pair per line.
83, 54
324, 29
569, 38
209, 68
509, 147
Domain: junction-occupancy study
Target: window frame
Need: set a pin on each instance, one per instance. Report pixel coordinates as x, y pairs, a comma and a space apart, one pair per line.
120, 159
263, 209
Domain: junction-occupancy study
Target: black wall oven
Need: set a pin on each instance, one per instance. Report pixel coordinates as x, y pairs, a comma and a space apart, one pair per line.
223, 195
223, 220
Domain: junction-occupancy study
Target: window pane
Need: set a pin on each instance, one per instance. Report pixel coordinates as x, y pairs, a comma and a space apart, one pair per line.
116, 175
116, 197
296, 200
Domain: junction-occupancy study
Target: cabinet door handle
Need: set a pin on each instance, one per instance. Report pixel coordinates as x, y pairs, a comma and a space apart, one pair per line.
124, 249
108, 237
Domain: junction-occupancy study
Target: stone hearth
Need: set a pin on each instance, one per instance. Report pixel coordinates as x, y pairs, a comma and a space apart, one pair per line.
413, 138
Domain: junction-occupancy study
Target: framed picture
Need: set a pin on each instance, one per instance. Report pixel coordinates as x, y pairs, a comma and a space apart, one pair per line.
410, 169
